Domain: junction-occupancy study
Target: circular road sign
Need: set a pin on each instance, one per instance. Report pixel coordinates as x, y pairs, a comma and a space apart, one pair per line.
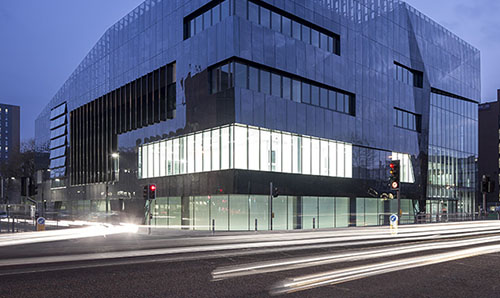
393, 218
395, 185
40, 221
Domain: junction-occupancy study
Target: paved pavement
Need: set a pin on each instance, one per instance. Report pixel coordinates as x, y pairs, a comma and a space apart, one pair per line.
458, 261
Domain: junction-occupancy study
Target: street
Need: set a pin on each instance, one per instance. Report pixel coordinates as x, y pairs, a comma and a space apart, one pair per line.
436, 260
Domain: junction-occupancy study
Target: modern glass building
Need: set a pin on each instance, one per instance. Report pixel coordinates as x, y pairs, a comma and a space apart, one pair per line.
9, 131
213, 101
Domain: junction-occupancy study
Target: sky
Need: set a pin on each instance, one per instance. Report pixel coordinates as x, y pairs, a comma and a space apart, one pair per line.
42, 42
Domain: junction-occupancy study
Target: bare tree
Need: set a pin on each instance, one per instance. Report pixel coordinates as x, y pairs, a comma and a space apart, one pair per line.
19, 164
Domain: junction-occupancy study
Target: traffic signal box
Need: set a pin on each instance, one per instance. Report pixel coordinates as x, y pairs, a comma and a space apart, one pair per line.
394, 171
149, 192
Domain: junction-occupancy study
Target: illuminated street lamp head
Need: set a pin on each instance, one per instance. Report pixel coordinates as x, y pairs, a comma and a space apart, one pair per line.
115, 155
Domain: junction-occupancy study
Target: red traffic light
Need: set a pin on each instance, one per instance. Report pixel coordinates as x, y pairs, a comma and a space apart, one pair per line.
152, 187
391, 165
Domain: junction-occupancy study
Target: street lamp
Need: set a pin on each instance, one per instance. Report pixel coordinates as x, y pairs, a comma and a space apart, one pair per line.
115, 156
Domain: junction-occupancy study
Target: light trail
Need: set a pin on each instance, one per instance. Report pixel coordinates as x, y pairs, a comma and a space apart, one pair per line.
64, 234
366, 254
344, 275
203, 245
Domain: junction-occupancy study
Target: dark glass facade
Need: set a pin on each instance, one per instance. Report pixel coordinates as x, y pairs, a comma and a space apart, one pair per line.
316, 97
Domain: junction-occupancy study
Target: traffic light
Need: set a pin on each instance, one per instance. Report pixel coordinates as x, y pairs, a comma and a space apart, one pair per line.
484, 185
276, 192
152, 192
487, 185
394, 178
149, 192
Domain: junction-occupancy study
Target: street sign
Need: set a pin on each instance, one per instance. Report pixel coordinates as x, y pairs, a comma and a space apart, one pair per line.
40, 224
393, 219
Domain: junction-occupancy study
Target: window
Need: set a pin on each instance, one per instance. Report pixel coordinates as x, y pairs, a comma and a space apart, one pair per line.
315, 95
296, 30
265, 17
408, 76
240, 75
253, 79
265, 82
279, 84
324, 98
406, 120
221, 77
306, 34
287, 88
253, 13
275, 22
205, 17
276, 85
297, 91
286, 25
289, 25
306, 92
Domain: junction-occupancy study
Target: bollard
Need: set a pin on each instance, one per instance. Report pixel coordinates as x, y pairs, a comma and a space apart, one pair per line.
213, 226
256, 225
13, 225
314, 223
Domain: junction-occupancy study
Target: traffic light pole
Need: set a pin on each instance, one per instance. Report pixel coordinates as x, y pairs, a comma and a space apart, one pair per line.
271, 205
399, 205
484, 205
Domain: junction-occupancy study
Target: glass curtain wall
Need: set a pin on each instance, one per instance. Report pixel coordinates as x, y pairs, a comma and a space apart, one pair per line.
246, 212
248, 148
453, 149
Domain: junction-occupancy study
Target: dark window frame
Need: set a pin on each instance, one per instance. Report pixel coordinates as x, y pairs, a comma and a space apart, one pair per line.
350, 109
405, 113
418, 76
302, 22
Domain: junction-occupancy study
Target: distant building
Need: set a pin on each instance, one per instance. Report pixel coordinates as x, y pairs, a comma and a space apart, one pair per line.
214, 100
489, 147
9, 130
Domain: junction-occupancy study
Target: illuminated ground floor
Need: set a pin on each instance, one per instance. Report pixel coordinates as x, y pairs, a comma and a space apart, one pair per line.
250, 212
245, 212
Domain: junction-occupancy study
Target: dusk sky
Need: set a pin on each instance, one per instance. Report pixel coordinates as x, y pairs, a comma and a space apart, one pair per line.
42, 42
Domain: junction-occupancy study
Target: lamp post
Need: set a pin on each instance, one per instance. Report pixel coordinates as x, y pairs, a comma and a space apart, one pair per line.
115, 156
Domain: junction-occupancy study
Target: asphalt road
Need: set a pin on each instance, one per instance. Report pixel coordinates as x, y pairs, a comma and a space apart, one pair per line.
456, 263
